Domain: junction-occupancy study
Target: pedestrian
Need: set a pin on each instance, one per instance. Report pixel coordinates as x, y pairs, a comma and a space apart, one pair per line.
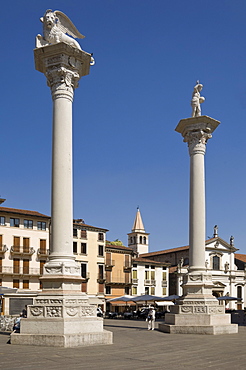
151, 318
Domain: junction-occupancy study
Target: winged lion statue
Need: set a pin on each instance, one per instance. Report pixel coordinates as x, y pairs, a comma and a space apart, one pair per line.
57, 27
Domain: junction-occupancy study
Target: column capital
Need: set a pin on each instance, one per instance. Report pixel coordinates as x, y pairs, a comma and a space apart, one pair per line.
196, 131
63, 66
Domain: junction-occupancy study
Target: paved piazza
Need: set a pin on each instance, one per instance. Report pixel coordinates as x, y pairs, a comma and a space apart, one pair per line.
134, 347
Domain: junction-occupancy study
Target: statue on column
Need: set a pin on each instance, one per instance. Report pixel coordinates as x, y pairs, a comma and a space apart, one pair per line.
197, 100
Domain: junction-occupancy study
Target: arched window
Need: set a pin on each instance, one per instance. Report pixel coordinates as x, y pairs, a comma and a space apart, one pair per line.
131, 239
134, 240
144, 239
239, 291
141, 240
216, 263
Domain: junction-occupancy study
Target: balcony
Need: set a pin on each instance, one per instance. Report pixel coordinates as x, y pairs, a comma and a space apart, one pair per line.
148, 282
19, 271
119, 281
101, 278
3, 249
127, 266
86, 277
109, 264
43, 253
164, 284
21, 251
134, 281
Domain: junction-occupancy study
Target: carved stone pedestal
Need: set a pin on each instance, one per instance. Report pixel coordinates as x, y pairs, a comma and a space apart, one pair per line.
198, 311
62, 320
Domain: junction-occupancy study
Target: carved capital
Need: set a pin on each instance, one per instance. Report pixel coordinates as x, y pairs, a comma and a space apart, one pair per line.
62, 82
197, 141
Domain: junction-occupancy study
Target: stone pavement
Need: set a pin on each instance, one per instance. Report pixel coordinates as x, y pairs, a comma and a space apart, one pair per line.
134, 347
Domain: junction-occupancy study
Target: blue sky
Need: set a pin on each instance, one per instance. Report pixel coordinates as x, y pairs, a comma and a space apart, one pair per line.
149, 55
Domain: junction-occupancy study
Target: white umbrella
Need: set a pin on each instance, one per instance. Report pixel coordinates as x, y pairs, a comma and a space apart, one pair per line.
123, 298
4, 290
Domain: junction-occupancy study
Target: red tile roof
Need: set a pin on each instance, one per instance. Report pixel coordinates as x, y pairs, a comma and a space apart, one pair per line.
22, 212
145, 260
121, 247
165, 251
240, 257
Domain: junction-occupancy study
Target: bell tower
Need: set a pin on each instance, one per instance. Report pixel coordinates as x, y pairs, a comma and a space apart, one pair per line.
138, 239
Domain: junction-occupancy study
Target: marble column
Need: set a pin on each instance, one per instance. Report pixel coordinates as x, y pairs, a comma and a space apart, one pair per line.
197, 311
61, 315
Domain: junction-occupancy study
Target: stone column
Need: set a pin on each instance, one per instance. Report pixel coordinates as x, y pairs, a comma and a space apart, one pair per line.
197, 311
61, 315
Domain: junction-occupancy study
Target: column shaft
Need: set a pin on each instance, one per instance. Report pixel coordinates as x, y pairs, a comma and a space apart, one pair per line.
62, 198
197, 212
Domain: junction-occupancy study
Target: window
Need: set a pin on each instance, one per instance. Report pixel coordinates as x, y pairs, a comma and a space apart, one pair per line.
16, 243
41, 268
83, 248
146, 266
26, 267
127, 290
147, 275
41, 225
146, 290
1, 264
108, 289
2, 220
100, 236
134, 274
100, 250
152, 275
83, 270
141, 240
16, 265
216, 263
164, 275
16, 283
152, 290
100, 271
28, 224
14, 222
75, 233
42, 246
164, 291
75, 249
26, 245
25, 284
134, 290
144, 239
239, 292
83, 234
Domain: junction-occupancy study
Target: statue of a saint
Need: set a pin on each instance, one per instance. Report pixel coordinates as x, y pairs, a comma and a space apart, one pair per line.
197, 100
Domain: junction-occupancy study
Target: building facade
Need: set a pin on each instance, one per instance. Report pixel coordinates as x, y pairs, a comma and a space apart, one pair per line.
24, 249
220, 261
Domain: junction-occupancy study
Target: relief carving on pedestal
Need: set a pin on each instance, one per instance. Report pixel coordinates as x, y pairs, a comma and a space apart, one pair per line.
42, 301
36, 311
88, 311
54, 311
186, 309
200, 309
72, 311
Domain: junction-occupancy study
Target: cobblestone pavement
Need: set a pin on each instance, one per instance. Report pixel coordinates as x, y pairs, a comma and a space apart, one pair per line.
134, 347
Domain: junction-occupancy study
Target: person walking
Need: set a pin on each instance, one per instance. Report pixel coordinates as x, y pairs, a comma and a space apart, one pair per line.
151, 318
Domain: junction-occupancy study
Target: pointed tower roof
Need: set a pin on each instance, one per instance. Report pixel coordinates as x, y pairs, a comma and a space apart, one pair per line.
138, 225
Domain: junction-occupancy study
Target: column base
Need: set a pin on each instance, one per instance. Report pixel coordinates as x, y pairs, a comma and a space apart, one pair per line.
62, 319
198, 311
65, 340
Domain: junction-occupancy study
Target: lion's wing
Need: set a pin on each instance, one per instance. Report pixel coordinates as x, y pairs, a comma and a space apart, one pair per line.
66, 26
